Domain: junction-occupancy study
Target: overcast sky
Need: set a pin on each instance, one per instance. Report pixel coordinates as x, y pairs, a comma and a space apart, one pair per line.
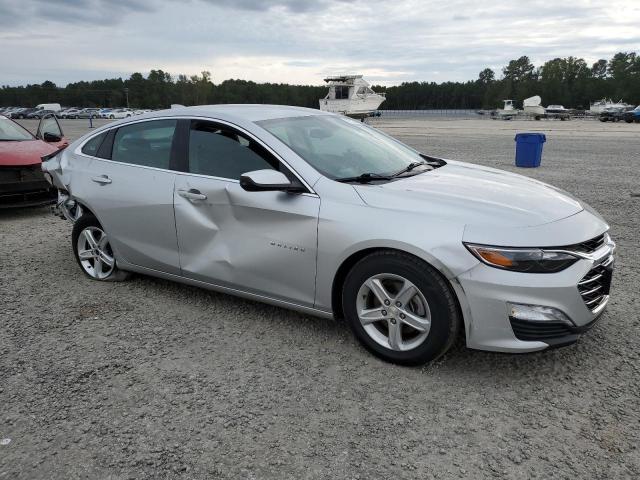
300, 41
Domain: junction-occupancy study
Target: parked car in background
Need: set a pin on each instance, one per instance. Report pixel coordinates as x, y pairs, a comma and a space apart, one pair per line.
41, 114
104, 112
7, 111
317, 212
631, 116
611, 114
22, 182
88, 113
70, 113
20, 112
120, 113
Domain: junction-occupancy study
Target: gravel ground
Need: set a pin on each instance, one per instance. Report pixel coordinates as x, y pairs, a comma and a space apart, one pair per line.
150, 379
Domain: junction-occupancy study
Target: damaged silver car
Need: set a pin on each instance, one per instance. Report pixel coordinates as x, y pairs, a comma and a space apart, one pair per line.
319, 213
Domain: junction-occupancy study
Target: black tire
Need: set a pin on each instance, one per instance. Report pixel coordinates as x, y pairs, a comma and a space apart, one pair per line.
446, 318
88, 220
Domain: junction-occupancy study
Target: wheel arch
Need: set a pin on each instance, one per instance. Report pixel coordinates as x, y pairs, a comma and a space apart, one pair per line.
348, 263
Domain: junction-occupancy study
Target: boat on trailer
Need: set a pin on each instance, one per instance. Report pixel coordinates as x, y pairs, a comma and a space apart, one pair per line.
606, 104
507, 112
351, 95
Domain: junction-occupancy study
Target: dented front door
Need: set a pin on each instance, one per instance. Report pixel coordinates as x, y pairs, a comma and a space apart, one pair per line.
261, 242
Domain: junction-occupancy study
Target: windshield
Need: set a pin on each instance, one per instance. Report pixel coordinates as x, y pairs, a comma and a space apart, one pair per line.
11, 131
339, 147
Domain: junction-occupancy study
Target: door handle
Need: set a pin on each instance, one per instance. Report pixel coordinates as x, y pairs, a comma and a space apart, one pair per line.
103, 179
192, 194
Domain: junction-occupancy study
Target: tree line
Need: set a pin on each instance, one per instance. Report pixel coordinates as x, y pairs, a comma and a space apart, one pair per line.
568, 81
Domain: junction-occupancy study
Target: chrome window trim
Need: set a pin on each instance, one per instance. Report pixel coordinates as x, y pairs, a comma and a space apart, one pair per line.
230, 180
78, 149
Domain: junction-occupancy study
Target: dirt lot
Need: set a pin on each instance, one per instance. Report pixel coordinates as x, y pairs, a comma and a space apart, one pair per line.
149, 379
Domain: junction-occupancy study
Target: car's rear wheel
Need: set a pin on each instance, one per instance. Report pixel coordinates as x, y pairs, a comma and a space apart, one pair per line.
93, 251
400, 308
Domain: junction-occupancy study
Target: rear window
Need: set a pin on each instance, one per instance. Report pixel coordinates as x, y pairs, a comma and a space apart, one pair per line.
92, 146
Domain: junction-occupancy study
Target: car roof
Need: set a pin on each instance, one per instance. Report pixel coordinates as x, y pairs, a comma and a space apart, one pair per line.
247, 112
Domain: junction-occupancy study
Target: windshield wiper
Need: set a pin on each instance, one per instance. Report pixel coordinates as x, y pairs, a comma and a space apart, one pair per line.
364, 178
368, 177
408, 168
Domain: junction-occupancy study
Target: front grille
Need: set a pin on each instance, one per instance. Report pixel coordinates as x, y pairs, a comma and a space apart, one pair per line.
10, 175
539, 331
44, 196
589, 246
596, 284
24, 186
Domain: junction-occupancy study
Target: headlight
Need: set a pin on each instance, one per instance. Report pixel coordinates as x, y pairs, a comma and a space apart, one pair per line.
528, 260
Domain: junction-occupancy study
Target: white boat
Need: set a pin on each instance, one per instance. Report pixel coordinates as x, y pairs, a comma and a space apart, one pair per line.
532, 105
508, 111
607, 104
350, 95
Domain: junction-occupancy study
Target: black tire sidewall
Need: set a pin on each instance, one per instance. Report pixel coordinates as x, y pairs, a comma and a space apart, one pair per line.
429, 282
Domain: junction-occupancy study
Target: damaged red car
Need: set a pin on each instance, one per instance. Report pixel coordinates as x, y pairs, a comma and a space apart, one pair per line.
22, 183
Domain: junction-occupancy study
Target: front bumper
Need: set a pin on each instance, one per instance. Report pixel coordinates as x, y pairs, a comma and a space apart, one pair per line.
488, 291
25, 187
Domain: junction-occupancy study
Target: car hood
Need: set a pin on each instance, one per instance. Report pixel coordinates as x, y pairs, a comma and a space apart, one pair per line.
26, 152
474, 195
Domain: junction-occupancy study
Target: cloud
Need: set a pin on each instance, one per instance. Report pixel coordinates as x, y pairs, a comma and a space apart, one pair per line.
101, 12
295, 6
301, 41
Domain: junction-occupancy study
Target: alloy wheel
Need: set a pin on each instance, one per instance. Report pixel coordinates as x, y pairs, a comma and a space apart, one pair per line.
393, 312
95, 253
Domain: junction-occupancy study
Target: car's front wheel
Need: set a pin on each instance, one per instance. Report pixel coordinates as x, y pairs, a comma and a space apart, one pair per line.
93, 251
400, 308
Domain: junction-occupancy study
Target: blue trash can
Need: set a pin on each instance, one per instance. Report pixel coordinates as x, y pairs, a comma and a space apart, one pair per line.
529, 149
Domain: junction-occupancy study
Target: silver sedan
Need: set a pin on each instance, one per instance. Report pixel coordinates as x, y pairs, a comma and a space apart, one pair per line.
319, 213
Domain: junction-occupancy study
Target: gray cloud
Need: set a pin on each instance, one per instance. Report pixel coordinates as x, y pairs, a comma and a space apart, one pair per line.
295, 6
301, 41
102, 12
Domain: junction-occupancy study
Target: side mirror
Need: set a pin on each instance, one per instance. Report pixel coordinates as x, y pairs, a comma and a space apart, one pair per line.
51, 137
267, 181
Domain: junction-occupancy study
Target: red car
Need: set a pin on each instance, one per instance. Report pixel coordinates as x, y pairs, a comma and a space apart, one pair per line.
22, 182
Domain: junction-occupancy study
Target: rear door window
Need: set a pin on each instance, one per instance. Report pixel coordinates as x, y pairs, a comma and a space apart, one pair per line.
145, 143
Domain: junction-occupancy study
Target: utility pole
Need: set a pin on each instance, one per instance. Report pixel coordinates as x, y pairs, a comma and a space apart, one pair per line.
126, 92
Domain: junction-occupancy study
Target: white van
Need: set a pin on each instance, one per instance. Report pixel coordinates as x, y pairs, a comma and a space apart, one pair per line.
49, 106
